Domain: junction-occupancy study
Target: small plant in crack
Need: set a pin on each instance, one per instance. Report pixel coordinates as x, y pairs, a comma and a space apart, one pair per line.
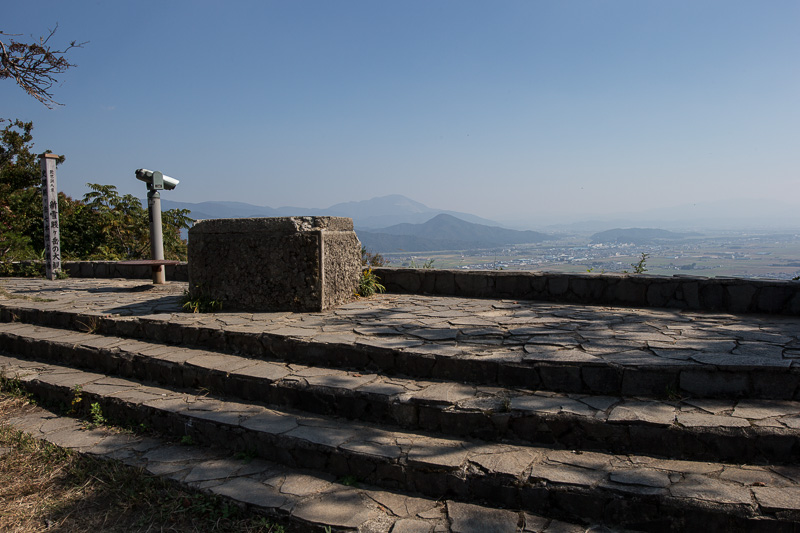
96, 414
77, 398
89, 325
505, 405
673, 394
200, 303
369, 284
13, 387
247, 456
349, 481
639, 267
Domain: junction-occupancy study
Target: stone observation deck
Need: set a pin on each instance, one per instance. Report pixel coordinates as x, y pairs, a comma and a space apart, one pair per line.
453, 413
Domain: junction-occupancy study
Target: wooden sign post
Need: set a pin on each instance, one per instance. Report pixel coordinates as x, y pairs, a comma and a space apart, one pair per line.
52, 236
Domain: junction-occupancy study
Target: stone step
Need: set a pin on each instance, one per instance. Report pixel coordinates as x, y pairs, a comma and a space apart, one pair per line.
724, 430
305, 500
631, 491
715, 361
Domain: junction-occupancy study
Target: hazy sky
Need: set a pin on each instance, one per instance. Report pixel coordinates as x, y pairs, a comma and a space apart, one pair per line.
499, 108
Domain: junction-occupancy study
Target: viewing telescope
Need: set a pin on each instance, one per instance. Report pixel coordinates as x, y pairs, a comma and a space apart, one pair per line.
156, 180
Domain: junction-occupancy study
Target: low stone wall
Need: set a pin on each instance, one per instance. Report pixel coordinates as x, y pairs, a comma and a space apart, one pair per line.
114, 269
275, 264
732, 295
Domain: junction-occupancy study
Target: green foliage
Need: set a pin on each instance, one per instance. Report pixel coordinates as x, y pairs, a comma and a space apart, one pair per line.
115, 227
350, 481
200, 304
427, 264
247, 456
13, 387
371, 259
639, 267
187, 440
77, 398
369, 284
96, 413
505, 405
23, 269
19, 198
103, 226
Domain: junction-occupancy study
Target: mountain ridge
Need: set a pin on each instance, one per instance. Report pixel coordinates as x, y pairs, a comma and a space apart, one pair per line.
377, 212
444, 232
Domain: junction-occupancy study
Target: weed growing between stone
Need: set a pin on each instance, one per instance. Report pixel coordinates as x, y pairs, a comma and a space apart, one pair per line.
639, 267
13, 388
200, 304
426, 265
75, 403
96, 413
369, 284
90, 325
349, 481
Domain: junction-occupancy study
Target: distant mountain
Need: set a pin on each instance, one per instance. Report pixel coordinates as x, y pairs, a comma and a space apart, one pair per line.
444, 232
638, 235
394, 209
378, 212
208, 210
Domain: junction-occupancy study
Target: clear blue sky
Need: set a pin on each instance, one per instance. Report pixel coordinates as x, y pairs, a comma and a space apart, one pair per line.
501, 108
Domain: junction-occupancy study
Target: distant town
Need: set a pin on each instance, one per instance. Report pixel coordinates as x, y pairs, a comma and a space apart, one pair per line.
773, 256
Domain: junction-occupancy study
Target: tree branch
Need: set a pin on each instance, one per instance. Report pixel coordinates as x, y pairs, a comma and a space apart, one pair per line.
34, 66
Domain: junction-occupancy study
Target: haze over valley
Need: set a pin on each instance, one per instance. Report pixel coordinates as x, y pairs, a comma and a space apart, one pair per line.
409, 233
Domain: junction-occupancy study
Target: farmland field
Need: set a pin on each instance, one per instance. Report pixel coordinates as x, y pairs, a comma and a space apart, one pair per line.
734, 255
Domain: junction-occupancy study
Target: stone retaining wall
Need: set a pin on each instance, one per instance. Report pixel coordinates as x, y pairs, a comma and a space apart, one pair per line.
734, 295
113, 269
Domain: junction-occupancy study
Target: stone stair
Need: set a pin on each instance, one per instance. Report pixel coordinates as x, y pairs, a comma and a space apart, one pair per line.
437, 441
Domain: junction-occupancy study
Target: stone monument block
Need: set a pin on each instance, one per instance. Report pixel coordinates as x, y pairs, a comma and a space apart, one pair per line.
275, 264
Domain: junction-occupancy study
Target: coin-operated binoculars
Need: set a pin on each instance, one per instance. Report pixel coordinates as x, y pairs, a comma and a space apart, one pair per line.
156, 181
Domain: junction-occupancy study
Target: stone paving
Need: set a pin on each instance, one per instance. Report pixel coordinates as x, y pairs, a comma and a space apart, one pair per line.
539, 480
562, 348
473, 382
698, 428
462, 327
300, 497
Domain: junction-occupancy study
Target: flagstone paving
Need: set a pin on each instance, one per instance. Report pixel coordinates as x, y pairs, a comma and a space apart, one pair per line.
511, 330
646, 419
302, 498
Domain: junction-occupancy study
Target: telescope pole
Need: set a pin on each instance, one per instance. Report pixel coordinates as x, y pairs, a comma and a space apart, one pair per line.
156, 236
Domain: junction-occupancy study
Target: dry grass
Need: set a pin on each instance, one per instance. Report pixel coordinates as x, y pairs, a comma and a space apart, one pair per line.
47, 488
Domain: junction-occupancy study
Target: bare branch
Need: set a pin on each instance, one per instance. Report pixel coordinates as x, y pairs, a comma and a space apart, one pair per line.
34, 66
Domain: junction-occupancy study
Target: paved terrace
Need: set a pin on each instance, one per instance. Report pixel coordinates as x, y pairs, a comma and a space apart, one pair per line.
632, 368
563, 347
